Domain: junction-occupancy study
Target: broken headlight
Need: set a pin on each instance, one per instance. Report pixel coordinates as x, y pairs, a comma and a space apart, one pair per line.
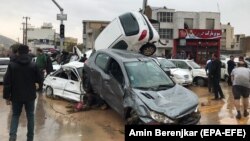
160, 118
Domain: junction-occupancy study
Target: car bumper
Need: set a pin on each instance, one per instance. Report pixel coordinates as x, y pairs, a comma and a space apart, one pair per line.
183, 81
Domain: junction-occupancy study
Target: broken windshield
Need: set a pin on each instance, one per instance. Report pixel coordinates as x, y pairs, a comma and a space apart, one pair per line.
147, 74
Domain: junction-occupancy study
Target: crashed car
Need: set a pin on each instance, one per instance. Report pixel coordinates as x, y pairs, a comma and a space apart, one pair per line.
180, 76
133, 31
138, 89
66, 82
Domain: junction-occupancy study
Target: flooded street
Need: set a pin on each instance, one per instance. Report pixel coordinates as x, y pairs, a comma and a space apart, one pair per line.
54, 122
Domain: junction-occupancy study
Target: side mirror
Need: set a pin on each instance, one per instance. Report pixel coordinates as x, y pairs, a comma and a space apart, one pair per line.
190, 68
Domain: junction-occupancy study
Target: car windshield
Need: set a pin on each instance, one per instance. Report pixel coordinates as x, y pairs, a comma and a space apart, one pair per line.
166, 63
194, 65
147, 75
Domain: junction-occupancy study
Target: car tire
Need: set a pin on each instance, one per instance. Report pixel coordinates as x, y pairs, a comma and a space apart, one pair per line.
86, 83
133, 118
200, 81
226, 78
49, 92
148, 49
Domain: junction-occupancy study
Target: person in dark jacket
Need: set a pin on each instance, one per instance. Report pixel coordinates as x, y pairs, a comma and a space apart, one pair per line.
230, 66
20, 90
216, 75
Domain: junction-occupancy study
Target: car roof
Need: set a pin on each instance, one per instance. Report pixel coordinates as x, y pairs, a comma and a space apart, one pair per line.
124, 55
74, 64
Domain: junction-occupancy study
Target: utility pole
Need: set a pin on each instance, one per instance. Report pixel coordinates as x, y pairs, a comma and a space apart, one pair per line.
26, 30
23, 32
61, 17
144, 4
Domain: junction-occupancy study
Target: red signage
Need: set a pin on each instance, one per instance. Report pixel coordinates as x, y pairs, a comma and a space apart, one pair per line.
199, 34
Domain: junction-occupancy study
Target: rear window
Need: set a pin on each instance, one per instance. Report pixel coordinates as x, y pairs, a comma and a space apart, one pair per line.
4, 62
129, 24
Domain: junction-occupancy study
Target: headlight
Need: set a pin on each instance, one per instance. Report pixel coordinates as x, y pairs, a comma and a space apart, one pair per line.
178, 76
197, 109
160, 118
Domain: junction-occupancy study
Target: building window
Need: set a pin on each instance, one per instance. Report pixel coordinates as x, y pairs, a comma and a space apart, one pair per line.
188, 23
166, 33
209, 23
165, 17
84, 27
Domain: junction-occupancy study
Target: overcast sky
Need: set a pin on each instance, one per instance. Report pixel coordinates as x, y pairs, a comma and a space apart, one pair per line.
12, 12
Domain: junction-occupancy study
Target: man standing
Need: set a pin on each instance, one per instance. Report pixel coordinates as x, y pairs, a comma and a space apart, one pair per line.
241, 87
215, 75
41, 62
20, 90
230, 66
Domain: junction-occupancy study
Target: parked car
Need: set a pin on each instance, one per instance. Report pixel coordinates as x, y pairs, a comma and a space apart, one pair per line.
131, 31
4, 62
138, 89
66, 82
180, 76
199, 74
224, 73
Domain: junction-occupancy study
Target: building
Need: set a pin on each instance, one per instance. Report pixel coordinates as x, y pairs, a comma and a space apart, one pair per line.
43, 37
237, 43
91, 29
245, 45
227, 39
173, 24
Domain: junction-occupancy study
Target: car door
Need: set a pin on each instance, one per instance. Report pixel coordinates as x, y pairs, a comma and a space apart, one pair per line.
58, 82
98, 72
72, 89
113, 86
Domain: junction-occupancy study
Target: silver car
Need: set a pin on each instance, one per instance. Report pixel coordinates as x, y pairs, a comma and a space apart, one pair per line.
138, 89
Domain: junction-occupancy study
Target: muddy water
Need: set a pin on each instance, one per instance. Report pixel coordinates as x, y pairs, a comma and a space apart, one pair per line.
54, 122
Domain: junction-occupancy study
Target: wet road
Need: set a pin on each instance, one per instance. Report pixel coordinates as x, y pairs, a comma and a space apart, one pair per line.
54, 122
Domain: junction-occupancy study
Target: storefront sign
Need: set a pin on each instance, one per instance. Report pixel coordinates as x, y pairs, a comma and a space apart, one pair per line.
199, 34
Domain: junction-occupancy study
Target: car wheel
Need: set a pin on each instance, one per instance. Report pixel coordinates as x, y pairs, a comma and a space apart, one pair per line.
148, 49
133, 118
86, 83
49, 92
226, 78
200, 82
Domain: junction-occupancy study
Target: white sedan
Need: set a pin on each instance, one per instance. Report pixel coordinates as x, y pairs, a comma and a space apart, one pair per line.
66, 82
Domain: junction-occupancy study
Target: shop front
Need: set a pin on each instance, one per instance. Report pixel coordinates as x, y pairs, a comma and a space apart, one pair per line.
197, 44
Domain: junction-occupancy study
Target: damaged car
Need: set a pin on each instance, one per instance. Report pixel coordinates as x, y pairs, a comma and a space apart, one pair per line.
66, 82
133, 31
138, 89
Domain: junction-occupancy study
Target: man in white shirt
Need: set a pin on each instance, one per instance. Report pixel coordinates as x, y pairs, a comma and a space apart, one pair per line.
241, 87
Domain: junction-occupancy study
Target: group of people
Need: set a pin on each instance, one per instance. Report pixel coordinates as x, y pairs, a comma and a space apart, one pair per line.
239, 79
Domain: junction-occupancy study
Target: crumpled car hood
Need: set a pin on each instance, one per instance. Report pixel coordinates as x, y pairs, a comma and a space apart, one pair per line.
175, 102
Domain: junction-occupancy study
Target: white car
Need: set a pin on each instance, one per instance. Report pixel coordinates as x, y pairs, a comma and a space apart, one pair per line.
4, 62
66, 82
180, 76
199, 74
131, 31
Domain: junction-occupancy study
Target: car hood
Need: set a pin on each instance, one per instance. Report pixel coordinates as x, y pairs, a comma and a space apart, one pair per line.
199, 72
175, 102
